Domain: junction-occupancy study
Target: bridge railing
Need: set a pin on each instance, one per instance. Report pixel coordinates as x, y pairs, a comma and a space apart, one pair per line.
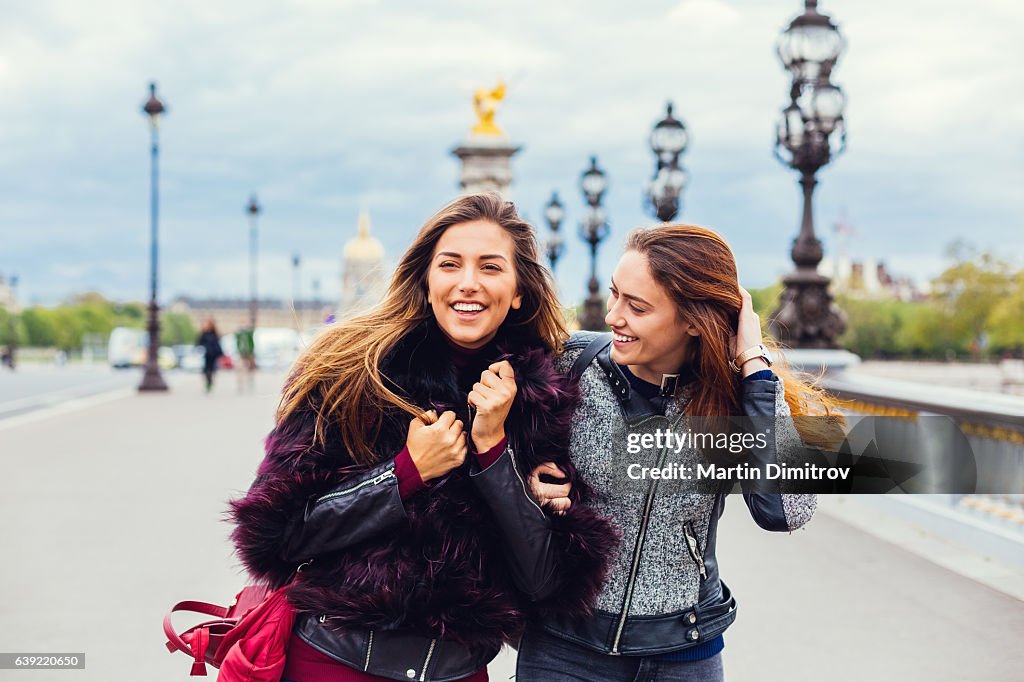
993, 425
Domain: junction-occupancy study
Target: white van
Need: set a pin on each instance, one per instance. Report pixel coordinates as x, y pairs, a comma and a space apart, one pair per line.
276, 347
127, 347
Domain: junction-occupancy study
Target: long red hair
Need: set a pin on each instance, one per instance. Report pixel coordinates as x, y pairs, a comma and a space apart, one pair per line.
696, 267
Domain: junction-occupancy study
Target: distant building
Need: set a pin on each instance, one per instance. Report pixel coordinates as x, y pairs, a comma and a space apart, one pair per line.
232, 314
867, 279
8, 300
363, 279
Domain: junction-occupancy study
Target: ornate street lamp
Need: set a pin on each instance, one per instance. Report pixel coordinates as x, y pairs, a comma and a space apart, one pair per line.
593, 230
810, 134
151, 378
253, 209
554, 212
668, 142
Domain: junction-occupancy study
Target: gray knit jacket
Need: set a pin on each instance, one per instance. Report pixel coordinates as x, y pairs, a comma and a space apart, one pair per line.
664, 592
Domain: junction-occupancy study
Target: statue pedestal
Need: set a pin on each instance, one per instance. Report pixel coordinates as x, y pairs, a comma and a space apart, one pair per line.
486, 165
806, 316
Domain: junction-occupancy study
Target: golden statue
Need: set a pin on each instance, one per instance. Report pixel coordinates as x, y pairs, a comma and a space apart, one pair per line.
485, 103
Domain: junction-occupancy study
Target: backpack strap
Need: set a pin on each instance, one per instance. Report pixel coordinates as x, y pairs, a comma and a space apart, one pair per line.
596, 345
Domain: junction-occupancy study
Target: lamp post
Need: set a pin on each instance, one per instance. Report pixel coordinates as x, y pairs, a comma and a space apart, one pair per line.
253, 209
554, 212
810, 134
151, 378
593, 230
296, 300
12, 328
668, 142
316, 299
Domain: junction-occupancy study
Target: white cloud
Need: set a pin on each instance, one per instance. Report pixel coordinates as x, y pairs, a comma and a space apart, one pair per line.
318, 104
704, 15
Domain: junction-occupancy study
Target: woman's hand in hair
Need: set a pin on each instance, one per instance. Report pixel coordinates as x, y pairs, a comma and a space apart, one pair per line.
436, 448
748, 332
492, 397
554, 496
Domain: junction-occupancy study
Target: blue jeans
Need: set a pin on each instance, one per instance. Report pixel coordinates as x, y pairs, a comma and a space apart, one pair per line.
546, 658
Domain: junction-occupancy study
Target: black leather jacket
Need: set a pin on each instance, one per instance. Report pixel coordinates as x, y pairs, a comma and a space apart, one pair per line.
374, 499
431, 586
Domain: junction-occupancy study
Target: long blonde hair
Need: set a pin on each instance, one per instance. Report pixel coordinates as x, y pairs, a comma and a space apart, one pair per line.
340, 373
697, 269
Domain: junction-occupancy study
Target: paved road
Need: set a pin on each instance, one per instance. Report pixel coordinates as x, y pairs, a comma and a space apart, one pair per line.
31, 387
110, 513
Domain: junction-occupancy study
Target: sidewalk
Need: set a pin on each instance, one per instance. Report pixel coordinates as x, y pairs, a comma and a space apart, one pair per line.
113, 512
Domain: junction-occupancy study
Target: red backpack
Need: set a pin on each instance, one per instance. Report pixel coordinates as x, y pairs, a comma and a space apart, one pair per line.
248, 641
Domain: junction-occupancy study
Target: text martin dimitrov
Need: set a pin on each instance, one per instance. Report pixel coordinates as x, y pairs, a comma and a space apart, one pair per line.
738, 472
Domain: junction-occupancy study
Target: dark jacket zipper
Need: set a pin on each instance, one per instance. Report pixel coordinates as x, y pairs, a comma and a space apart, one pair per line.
637, 551
369, 650
430, 653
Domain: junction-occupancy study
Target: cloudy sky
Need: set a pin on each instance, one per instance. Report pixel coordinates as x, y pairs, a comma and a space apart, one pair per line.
324, 106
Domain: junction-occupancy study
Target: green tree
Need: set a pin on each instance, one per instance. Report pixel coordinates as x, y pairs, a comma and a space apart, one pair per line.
94, 317
766, 300
1005, 323
69, 328
176, 328
925, 333
969, 291
40, 327
130, 315
6, 320
872, 326
11, 328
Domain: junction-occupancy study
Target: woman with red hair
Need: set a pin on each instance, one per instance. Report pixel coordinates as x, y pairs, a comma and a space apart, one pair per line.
685, 344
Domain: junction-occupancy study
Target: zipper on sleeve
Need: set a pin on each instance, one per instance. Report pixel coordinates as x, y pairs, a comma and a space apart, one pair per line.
526, 492
376, 480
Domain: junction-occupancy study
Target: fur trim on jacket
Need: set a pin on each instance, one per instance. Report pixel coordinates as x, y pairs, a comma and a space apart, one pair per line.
441, 572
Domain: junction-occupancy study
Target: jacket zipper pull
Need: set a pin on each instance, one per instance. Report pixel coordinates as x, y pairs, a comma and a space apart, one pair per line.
691, 542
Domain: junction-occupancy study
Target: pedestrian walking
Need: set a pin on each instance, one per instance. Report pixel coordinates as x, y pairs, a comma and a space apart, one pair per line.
685, 342
394, 482
245, 344
209, 341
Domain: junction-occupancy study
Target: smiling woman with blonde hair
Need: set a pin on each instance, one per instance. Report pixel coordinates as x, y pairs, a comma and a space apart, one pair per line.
420, 559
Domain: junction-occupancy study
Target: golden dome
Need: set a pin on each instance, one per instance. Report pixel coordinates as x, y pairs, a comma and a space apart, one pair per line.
364, 247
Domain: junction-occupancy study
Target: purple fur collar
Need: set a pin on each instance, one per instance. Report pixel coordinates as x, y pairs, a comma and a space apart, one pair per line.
442, 573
